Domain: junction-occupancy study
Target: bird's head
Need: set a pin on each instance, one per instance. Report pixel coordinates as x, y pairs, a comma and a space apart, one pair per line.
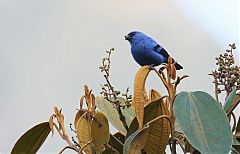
133, 35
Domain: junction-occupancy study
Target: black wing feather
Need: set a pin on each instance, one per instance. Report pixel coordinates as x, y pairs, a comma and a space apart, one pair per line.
164, 53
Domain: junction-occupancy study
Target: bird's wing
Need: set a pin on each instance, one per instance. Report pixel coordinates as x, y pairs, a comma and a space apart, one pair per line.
161, 51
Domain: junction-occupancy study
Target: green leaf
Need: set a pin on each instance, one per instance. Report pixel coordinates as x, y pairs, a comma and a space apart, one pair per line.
112, 115
116, 144
158, 131
32, 140
230, 100
203, 121
136, 141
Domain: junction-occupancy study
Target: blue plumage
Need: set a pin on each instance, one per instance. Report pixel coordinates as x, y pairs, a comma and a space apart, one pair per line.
146, 51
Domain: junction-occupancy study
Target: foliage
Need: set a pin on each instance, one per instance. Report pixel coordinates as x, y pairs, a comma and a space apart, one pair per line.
150, 122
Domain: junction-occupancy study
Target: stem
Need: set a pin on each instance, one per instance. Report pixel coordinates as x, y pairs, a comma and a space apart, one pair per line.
183, 149
234, 122
216, 86
122, 117
161, 77
111, 89
67, 147
118, 108
236, 102
65, 137
172, 118
174, 147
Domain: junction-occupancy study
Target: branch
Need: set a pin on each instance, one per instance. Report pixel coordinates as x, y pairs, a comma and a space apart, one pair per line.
108, 89
183, 149
67, 147
162, 77
65, 137
234, 121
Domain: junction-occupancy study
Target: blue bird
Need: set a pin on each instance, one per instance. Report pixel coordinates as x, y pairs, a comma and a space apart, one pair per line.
146, 51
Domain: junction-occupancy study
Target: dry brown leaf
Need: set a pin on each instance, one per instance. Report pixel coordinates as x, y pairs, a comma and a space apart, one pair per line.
188, 147
60, 119
139, 87
78, 116
173, 72
147, 101
100, 131
136, 142
167, 103
51, 124
81, 102
93, 103
87, 97
83, 131
159, 132
169, 60
154, 95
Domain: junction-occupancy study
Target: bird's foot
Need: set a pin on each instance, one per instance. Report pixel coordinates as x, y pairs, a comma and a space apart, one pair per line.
152, 66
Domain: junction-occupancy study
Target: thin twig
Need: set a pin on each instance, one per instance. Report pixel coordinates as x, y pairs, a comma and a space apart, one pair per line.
67, 147
66, 138
216, 86
234, 122
161, 76
183, 149
109, 91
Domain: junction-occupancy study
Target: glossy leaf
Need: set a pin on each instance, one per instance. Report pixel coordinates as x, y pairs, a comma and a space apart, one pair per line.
230, 100
100, 131
203, 122
138, 97
32, 140
158, 131
112, 115
136, 141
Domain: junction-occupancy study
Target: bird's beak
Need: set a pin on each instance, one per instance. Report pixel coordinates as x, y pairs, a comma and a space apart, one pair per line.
127, 37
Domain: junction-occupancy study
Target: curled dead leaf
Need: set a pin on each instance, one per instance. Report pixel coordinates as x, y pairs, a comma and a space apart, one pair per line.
93, 103
60, 119
139, 87
81, 102
173, 72
169, 60
154, 95
87, 97
51, 123
83, 130
78, 116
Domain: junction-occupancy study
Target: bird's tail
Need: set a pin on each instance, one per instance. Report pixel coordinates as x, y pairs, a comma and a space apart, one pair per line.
178, 66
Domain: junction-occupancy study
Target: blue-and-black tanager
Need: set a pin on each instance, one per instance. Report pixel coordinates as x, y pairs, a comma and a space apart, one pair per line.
146, 51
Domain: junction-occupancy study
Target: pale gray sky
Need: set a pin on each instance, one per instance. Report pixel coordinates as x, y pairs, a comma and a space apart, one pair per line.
50, 48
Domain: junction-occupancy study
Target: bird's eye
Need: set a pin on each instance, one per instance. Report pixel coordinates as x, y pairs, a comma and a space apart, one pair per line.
132, 33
